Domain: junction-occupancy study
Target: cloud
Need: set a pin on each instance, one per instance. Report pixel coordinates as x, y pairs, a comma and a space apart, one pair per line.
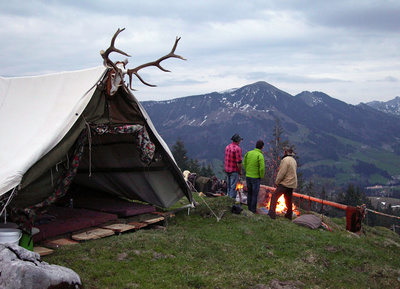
388, 79
330, 46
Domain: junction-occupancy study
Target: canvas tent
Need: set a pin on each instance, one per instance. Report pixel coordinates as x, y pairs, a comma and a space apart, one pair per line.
62, 129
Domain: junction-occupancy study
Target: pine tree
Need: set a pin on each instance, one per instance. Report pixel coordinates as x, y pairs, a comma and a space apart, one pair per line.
207, 171
179, 152
194, 166
184, 163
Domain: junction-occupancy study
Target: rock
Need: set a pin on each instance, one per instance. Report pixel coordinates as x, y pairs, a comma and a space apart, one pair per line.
20, 268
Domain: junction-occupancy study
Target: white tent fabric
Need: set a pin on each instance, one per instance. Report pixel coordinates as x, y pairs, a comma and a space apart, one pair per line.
39, 111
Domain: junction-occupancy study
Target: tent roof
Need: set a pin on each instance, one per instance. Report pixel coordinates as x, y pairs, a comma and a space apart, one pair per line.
36, 113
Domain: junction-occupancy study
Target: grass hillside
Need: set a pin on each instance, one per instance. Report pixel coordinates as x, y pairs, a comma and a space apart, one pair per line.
383, 161
238, 251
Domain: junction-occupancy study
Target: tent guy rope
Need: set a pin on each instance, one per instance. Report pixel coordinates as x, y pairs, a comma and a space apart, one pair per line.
383, 214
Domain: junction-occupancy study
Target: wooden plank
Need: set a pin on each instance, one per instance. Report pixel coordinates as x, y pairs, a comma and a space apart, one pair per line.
119, 228
165, 214
92, 234
42, 251
154, 220
138, 225
55, 243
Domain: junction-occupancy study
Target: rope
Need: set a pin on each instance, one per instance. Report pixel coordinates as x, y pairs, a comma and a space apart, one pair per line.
383, 214
6, 204
218, 218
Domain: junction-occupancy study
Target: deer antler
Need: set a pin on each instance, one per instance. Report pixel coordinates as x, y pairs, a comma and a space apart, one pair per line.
107, 62
154, 63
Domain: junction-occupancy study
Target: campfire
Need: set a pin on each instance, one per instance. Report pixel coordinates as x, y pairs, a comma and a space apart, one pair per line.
264, 199
239, 187
240, 196
281, 207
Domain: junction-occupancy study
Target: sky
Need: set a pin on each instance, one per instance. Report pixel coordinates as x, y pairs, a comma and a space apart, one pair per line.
347, 49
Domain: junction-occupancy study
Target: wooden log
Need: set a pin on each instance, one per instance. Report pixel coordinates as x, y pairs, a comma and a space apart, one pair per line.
325, 202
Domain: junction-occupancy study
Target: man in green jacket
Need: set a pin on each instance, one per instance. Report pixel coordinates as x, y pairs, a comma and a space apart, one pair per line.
254, 166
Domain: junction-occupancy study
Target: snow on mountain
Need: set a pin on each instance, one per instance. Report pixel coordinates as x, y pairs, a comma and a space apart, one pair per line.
391, 106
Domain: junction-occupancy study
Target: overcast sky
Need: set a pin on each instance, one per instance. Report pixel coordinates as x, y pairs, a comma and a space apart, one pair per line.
347, 49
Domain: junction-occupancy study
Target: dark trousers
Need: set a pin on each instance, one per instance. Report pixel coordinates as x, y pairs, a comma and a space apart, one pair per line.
287, 194
253, 187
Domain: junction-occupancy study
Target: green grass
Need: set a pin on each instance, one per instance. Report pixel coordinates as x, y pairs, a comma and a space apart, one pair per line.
238, 251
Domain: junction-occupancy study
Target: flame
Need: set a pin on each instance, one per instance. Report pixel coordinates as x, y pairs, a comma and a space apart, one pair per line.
239, 186
281, 207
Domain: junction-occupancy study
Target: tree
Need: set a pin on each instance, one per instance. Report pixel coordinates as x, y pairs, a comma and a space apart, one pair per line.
184, 163
207, 171
194, 166
273, 157
179, 152
353, 196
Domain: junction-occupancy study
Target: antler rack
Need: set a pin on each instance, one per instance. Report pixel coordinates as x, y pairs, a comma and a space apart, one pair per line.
121, 70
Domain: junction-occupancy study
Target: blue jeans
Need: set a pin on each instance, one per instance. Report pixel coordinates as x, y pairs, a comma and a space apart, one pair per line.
253, 187
231, 184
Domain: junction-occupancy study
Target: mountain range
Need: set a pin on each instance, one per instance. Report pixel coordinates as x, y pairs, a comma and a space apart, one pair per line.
333, 139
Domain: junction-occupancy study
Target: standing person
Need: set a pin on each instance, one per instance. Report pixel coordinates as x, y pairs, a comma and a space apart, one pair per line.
233, 165
286, 181
254, 165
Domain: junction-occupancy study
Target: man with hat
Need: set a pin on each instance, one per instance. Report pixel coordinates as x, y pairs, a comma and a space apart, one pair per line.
286, 181
233, 164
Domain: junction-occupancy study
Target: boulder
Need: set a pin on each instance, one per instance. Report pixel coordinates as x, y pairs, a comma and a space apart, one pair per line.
21, 268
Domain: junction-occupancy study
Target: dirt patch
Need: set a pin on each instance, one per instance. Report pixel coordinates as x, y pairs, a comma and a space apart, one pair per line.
333, 248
